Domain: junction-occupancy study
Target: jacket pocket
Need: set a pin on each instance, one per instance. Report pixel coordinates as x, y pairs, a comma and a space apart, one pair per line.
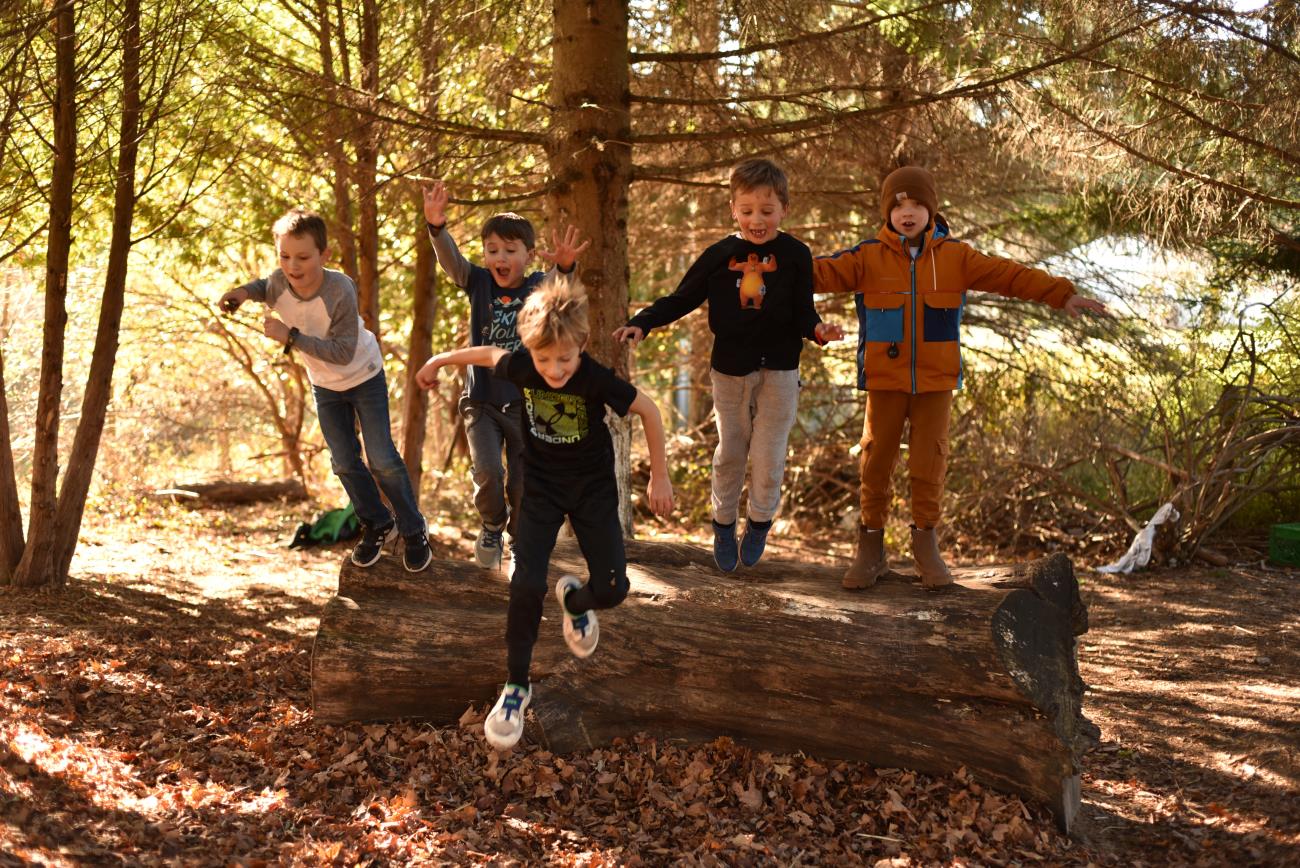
942, 317
880, 316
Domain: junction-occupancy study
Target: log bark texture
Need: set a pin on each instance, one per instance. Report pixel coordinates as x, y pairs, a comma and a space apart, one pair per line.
778, 657
232, 492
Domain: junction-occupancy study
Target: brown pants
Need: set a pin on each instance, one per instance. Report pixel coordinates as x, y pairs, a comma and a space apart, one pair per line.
927, 453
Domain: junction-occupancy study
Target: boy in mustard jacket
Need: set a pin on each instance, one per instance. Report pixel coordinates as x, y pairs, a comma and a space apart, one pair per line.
910, 284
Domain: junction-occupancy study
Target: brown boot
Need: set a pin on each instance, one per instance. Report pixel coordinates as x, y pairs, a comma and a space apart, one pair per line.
868, 561
929, 563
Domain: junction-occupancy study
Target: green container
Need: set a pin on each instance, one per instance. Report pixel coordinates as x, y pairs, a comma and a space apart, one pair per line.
1284, 545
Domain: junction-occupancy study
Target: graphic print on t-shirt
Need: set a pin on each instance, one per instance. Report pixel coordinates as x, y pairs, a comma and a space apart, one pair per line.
750, 283
556, 417
502, 331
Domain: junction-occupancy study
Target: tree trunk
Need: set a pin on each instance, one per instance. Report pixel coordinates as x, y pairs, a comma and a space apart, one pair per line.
591, 164
36, 567
11, 514
778, 657
424, 309
345, 243
99, 383
367, 148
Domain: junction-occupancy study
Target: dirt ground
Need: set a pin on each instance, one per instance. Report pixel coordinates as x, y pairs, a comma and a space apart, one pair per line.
157, 712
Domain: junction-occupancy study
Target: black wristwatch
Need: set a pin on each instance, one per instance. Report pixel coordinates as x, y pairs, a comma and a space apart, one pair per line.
293, 336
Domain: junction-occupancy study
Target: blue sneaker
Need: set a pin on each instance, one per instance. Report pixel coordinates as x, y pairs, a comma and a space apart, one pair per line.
505, 722
581, 632
725, 554
754, 541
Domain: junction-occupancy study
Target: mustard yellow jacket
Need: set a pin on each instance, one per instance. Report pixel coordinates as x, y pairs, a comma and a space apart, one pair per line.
909, 310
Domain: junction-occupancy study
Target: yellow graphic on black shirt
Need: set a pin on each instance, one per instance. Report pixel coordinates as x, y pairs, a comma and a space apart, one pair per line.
556, 417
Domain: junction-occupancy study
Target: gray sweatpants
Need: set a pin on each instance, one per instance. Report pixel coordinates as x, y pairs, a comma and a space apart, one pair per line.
754, 414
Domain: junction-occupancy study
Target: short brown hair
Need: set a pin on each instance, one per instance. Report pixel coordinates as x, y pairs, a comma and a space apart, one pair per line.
759, 172
299, 222
555, 311
509, 226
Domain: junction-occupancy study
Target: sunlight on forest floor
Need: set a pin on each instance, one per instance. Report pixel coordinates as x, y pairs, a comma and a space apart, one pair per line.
158, 712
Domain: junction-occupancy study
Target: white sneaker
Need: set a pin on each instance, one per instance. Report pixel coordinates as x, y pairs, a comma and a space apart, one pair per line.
581, 632
487, 548
505, 723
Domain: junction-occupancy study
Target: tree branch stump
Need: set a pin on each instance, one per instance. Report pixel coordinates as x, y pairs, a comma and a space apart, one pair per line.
778, 657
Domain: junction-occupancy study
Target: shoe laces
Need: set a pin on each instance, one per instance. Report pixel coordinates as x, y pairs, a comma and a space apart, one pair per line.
511, 703
374, 535
491, 538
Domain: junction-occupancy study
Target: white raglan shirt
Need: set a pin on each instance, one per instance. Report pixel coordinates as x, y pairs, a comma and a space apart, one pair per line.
338, 350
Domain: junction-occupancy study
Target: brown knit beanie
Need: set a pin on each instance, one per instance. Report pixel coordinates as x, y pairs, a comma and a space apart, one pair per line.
909, 182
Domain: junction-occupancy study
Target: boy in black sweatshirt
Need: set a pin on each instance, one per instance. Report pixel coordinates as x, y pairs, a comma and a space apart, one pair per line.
758, 284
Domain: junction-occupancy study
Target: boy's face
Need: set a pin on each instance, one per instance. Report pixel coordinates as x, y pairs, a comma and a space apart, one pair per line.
506, 259
557, 362
909, 219
302, 262
758, 213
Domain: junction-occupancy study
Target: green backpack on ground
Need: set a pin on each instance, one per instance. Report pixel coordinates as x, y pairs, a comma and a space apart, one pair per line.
331, 526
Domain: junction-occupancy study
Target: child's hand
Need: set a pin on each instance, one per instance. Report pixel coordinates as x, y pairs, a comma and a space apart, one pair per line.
660, 495
427, 376
1077, 304
231, 301
435, 204
567, 250
826, 332
275, 329
631, 334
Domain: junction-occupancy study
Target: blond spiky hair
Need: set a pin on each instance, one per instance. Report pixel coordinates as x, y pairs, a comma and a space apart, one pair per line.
556, 311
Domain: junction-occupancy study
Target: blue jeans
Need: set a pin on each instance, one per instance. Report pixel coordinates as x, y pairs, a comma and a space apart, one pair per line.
339, 413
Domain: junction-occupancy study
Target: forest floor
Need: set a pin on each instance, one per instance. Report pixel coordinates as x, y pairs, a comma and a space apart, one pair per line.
158, 712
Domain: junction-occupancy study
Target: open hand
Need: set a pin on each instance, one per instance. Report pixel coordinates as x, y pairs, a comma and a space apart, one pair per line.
435, 204
567, 249
1077, 304
631, 334
659, 493
827, 332
275, 329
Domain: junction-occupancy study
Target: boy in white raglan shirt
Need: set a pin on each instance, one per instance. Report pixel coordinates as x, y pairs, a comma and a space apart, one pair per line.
314, 309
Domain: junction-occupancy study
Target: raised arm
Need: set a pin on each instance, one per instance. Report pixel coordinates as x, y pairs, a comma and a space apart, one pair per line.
444, 246
485, 356
660, 490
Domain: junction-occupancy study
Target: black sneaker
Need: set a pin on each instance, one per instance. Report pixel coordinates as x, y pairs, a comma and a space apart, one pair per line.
416, 553
373, 540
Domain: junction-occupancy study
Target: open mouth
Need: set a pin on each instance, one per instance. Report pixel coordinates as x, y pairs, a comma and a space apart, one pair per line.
502, 273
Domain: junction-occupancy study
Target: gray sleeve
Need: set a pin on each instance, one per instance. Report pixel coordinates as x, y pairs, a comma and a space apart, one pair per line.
340, 344
449, 257
256, 289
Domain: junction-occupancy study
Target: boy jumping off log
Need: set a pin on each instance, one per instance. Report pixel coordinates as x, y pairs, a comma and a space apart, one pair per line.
568, 472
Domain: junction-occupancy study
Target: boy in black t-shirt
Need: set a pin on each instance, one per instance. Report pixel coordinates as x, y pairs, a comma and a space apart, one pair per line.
759, 287
568, 472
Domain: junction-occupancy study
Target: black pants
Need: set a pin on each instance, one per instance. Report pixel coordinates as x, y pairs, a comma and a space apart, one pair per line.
591, 505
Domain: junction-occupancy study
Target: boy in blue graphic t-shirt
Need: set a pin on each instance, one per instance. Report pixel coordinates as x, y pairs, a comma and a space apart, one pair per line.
490, 405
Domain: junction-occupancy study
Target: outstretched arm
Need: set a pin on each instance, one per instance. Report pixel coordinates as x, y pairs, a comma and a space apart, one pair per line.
444, 246
660, 490
485, 357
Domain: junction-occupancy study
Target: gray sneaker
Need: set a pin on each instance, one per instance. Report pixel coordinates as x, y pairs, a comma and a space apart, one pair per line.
487, 548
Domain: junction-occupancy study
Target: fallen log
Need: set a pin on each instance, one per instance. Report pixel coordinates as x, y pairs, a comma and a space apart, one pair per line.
231, 493
778, 657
